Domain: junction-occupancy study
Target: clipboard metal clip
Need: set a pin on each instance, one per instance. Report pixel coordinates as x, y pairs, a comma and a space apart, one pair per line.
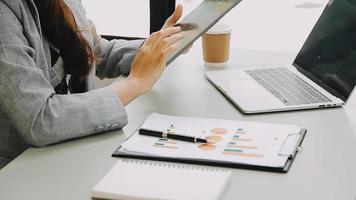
289, 145
299, 149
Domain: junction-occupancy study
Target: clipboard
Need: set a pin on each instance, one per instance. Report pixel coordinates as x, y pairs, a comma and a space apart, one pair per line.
291, 153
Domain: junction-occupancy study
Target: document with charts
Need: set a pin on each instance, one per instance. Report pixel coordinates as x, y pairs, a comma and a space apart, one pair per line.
236, 143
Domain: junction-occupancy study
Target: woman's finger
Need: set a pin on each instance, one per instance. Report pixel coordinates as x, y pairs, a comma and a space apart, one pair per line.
150, 39
168, 51
173, 19
156, 38
166, 42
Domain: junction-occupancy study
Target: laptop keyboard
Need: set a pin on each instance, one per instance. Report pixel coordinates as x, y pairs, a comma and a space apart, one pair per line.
287, 87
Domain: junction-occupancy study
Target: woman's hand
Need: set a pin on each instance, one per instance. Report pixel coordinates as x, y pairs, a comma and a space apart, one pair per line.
150, 61
173, 20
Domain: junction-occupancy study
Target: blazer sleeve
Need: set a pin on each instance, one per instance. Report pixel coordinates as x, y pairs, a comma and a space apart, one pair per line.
39, 115
115, 56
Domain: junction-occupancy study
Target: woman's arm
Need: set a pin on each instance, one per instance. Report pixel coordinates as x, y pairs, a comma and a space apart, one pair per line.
115, 56
149, 64
27, 98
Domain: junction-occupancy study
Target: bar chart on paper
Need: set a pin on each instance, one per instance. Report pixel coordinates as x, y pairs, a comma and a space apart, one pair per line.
165, 143
234, 143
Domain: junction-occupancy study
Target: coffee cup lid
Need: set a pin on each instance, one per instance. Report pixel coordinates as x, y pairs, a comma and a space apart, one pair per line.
219, 29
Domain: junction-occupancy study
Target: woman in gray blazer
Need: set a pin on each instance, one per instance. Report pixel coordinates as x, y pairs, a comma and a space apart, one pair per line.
50, 54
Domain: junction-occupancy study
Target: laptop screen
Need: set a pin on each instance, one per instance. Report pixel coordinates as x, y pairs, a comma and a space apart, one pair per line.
328, 56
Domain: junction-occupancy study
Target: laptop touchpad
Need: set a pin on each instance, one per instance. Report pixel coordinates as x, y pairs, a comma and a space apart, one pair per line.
249, 95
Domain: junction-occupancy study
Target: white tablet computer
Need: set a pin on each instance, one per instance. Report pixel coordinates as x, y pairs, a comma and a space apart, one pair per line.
200, 20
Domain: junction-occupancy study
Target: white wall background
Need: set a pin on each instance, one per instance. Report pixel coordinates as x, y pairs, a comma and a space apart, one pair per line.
281, 25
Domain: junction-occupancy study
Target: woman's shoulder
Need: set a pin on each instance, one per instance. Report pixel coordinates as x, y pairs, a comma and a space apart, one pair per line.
10, 7
12, 13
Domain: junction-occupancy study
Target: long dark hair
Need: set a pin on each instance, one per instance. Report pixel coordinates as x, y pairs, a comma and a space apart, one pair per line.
60, 29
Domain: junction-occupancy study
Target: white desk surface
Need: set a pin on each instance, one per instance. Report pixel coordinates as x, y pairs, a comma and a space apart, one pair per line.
325, 169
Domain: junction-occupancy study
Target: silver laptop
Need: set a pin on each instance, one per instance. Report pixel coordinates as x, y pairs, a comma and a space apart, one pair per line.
322, 75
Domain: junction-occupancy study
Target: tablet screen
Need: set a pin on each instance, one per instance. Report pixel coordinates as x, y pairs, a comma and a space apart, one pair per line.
200, 20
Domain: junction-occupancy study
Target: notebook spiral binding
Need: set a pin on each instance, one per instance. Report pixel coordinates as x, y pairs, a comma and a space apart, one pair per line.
173, 165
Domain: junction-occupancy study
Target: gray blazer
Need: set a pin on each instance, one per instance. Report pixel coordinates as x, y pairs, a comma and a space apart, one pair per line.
31, 114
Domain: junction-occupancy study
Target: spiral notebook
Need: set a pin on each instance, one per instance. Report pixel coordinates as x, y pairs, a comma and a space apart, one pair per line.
137, 179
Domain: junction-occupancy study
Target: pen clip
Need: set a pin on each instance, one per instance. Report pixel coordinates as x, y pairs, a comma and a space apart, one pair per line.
165, 133
168, 131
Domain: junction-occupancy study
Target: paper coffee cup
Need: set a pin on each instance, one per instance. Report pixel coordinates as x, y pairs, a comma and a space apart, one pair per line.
216, 45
